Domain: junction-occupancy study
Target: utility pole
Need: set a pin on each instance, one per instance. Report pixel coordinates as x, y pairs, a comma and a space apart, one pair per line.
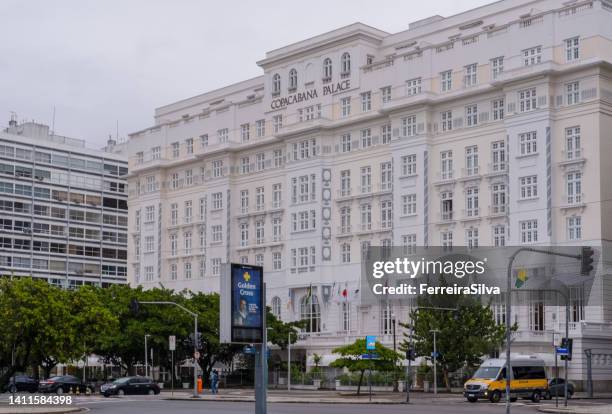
146, 356
289, 362
435, 357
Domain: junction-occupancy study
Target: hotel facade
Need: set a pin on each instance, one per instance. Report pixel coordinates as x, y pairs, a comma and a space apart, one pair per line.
63, 209
487, 128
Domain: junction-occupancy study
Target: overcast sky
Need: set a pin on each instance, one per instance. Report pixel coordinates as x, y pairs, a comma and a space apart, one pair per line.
99, 62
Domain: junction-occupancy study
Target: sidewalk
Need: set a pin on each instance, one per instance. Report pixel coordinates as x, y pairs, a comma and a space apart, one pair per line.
585, 409
325, 397
24, 409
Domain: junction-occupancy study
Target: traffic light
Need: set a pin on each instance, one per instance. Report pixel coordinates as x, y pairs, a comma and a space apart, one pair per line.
586, 260
410, 354
567, 343
134, 306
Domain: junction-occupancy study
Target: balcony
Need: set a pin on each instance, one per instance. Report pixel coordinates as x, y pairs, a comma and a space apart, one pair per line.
573, 157
344, 230
470, 174
470, 214
497, 169
445, 177
445, 217
573, 201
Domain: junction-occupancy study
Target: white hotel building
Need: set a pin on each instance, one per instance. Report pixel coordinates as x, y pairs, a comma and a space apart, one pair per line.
485, 128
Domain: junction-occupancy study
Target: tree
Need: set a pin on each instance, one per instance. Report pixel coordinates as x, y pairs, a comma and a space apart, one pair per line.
282, 333
350, 358
463, 336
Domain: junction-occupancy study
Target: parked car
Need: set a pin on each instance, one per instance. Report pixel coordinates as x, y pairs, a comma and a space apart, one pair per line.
19, 383
130, 385
556, 386
63, 384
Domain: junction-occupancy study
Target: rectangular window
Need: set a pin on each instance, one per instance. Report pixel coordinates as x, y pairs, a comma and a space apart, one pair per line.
366, 138
276, 261
187, 242
386, 214
217, 168
260, 161
572, 49
497, 106
217, 201
366, 217
245, 132
527, 100
447, 121
189, 145
499, 235
446, 80
260, 127
385, 132
223, 135
532, 56
188, 177
366, 101
572, 93
260, 203
498, 156
409, 165
498, 193
528, 143
245, 166
156, 153
573, 184
278, 158
446, 162
149, 244
345, 104
385, 94
471, 238
277, 123
497, 67
472, 202
469, 78
409, 204
386, 176
149, 214
277, 195
216, 266
471, 160
204, 140
409, 243
188, 211
572, 143
409, 127
217, 233
574, 228
346, 142
471, 115
529, 231
366, 179
413, 87
345, 183
244, 201
446, 239
528, 186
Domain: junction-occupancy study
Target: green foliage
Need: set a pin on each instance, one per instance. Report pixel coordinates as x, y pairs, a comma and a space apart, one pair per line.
43, 325
464, 336
350, 358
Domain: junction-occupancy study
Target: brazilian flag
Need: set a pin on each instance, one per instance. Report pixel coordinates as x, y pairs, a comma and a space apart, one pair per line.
521, 278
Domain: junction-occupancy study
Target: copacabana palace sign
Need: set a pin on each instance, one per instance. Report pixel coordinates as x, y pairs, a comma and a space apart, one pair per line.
309, 94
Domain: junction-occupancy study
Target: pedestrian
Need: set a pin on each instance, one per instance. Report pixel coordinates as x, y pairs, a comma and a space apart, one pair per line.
216, 381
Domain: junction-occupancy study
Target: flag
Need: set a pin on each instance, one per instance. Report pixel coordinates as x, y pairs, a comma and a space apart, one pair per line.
521, 278
309, 292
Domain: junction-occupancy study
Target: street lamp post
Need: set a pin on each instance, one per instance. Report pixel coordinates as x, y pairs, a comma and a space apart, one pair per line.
395, 384
289, 362
146, 367
195, 339
435, 357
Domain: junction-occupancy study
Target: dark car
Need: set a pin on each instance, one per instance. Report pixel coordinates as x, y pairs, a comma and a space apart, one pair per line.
22, 383
556, 386
130, 385
64, 384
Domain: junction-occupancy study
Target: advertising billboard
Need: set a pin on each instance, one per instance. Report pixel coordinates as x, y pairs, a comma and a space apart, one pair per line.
247, 307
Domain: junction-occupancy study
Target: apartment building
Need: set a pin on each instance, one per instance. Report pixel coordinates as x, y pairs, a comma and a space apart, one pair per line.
487, 128
63, 208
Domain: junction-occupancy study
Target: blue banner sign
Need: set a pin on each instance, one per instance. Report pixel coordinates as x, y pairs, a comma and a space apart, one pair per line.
370, 342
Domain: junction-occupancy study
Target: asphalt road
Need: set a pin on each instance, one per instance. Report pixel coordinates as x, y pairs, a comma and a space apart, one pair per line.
135, 406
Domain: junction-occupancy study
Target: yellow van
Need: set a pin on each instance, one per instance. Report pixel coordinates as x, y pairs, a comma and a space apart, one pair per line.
528, 380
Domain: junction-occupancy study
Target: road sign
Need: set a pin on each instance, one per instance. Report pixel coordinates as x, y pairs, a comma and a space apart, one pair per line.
172, 343
370, 342
435, 355
562, 351
369, 356
249, 350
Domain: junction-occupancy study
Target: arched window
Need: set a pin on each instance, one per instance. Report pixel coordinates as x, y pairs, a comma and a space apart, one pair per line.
276, 84
276, 306
310, 311
293, 80
327, 69
346, 63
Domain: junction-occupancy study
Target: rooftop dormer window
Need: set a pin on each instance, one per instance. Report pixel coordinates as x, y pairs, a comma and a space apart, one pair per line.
346, 64
293, 80
276, 84
327, 70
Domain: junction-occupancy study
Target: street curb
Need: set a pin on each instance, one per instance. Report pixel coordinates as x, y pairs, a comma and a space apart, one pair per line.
292, 401
37, 409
